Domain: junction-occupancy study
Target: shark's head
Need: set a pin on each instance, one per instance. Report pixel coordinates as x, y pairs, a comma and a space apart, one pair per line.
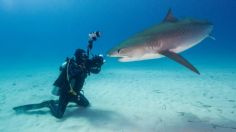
119, 52
199, 27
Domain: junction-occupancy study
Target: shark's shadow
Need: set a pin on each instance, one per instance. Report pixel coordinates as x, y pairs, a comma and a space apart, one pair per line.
195, 123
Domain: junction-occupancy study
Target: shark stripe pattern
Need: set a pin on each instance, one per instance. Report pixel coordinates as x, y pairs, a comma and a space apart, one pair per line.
168, 38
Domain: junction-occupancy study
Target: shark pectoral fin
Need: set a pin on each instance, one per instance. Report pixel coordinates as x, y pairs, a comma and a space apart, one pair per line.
179, 59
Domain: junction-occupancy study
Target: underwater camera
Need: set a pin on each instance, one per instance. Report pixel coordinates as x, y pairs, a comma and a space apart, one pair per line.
97, 60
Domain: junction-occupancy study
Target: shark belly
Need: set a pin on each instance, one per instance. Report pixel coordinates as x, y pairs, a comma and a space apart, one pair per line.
153, 52
146, 56
182, 46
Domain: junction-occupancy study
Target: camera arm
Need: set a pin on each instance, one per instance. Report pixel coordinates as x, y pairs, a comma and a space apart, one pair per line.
92, 37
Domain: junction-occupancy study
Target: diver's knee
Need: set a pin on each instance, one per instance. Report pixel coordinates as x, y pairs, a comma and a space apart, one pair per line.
57, 114
54, 110
86, 104
83, 102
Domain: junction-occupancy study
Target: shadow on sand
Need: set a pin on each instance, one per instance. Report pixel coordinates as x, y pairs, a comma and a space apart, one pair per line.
101, 118
96, 117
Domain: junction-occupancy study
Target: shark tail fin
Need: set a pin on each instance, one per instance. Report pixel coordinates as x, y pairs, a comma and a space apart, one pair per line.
179, 59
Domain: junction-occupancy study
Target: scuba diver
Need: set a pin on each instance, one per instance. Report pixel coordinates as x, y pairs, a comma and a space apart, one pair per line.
69, 84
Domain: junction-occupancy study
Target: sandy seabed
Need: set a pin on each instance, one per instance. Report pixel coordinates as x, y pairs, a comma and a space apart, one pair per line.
127, 99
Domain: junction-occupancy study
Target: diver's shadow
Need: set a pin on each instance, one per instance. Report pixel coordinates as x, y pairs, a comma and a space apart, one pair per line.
37, 112
99, 117
96, 117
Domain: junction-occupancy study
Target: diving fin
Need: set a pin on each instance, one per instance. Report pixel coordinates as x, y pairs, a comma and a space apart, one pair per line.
178, 58
23, 108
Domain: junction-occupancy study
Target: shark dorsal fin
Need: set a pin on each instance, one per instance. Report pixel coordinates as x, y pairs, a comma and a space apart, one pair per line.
170, 17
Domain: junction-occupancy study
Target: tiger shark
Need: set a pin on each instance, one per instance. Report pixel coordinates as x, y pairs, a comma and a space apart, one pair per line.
166, 39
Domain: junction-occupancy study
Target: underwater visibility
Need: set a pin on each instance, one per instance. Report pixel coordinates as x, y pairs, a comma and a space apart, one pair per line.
117, 66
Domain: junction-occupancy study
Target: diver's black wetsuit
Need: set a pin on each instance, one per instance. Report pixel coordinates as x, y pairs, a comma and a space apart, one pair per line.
77, 72
71, 80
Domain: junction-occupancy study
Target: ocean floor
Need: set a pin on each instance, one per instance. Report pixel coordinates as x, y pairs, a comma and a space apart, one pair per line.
159, 97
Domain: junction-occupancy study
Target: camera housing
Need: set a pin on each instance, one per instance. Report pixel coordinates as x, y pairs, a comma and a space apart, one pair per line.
95, 63
97, 60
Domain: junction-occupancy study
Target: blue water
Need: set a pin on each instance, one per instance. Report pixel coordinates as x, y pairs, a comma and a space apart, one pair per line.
49, 29
37, 34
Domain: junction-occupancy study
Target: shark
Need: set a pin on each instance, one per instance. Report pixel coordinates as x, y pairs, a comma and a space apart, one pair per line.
166, 39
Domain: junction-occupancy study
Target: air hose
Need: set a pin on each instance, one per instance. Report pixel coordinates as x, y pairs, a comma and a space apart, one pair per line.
67, 72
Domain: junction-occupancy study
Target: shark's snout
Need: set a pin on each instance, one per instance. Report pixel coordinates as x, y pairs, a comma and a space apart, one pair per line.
206, 25
112, 53
208, 28
201, 27
118, 52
